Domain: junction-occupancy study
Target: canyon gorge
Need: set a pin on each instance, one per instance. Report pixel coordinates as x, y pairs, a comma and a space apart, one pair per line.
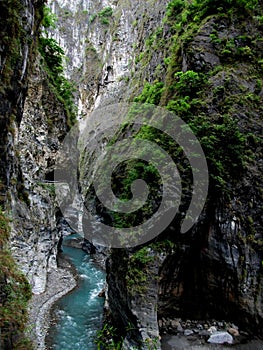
202, 60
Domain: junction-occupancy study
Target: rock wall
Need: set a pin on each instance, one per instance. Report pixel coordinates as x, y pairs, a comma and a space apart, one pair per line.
217, 270
20, 22
33, 123
19, 29
35, 226
103, 50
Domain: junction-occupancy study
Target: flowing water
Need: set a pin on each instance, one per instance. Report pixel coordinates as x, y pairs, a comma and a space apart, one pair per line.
79, 314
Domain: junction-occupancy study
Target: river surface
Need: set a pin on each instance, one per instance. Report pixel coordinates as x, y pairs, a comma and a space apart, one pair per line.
79, 314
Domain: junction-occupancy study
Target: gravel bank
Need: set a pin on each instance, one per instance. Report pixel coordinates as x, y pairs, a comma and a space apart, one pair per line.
59, 282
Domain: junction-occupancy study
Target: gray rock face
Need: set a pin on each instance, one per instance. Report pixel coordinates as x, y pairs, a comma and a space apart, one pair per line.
35, 233
134, 303
15, 53
188, 332
102, 57
19, 27
31, 130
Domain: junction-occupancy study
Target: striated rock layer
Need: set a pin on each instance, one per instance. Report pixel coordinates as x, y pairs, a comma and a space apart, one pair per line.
35, 225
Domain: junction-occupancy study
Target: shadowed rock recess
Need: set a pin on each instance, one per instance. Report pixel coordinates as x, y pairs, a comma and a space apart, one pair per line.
202, 60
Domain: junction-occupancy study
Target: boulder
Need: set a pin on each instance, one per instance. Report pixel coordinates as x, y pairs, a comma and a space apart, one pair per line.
220, 338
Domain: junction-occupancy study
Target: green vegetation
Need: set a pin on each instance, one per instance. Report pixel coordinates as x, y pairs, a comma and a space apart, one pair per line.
53, 56
49, 19
93, 17
219, 100
209, 99
106, 12
139, 262
182, 13
15, 293
126, 174
137, 274
49, 187
12, 36
151, 93
103, 16
187, 93
106, 338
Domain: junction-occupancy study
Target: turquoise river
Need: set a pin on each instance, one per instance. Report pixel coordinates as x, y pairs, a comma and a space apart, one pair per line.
79, 314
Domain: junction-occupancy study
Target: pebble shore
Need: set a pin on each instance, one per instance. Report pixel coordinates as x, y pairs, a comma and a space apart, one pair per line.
60, 281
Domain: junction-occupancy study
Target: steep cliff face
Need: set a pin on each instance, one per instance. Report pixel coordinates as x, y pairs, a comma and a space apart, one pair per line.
104, 47
204, 62
19, 28
35, 226
33, 123
221, 259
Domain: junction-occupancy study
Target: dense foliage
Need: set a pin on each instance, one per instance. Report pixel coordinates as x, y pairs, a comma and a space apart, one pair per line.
188, 93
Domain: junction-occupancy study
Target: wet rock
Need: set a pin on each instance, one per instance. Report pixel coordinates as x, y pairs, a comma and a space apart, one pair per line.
175, 323
204, 334
212, 330
233, 331
180, 329
188, 332
102, 293
221, 338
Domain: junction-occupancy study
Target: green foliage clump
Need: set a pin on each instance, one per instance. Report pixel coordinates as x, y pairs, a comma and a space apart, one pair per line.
208, 7
104, 15
106, 12
106, 338
4, 229
186, 93
53, 54
49, 187
188, 83
15, 293
188, 12
151, 93
137, 270
224, 146
12, 37
125, 176
174, 8
222, 142
49, 19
